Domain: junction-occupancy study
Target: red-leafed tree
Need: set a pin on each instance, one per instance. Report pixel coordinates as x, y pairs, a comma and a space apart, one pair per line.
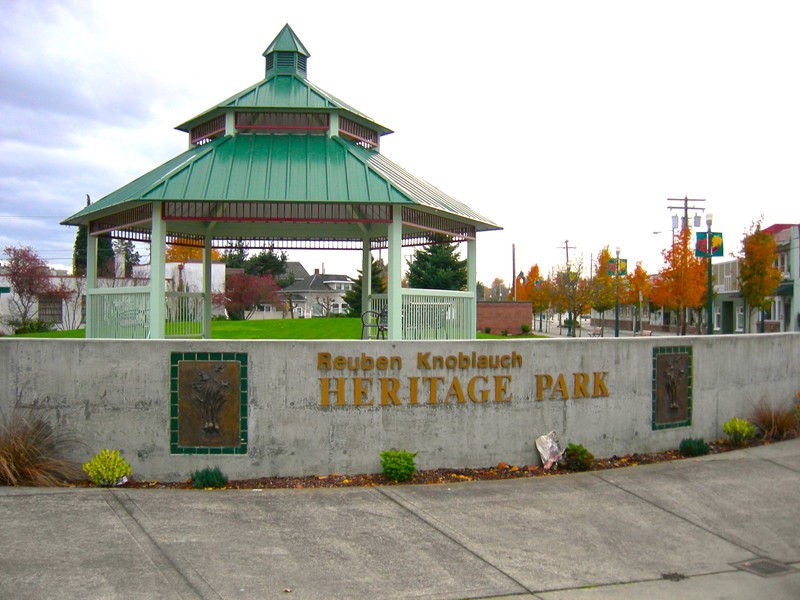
244, 293
30, 281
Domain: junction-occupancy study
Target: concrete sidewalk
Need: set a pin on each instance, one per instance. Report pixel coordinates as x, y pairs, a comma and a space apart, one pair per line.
685, 529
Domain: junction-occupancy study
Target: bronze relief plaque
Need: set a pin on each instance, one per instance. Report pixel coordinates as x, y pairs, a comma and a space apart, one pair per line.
672, 387
208, 403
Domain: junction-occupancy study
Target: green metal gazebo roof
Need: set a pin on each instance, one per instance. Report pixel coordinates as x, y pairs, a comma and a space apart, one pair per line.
320, 168
286, 168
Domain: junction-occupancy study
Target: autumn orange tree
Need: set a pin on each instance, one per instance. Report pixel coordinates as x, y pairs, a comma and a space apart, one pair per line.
681, 282
758, 275
535, 290
603, 286
571, 293
185, 250
638, 289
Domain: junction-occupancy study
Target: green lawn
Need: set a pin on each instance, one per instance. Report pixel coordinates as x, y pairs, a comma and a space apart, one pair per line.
278, 329
288, 329
273, 329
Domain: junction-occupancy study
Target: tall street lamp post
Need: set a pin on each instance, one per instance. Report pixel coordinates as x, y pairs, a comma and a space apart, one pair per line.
616, 304
709, 250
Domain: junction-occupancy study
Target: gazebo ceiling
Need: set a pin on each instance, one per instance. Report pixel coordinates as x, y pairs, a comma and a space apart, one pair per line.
281, 160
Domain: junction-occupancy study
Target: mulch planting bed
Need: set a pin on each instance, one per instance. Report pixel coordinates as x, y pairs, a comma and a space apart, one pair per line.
430, 476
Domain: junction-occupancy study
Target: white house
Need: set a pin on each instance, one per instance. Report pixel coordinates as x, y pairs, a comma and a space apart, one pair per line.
319, 295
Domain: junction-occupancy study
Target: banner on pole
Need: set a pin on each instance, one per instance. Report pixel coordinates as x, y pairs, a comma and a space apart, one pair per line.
702, 251
623, 267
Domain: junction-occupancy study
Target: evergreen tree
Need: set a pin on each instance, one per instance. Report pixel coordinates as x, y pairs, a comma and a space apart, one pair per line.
236, 257
126, 249
105, 254
437, 266
353, 296
267, 262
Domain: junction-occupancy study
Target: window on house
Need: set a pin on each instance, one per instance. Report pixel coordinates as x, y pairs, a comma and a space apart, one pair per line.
740, 318
50, 310
717, 319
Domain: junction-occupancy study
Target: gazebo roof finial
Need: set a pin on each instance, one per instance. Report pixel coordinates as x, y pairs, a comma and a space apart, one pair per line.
286, 54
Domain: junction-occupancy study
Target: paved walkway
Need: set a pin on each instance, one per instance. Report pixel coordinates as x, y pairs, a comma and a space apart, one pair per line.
551, 329
685, 529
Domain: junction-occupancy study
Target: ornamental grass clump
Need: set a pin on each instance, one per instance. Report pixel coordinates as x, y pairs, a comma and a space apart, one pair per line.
208, 478
739, 431
578, 458
33, 452
398, 465
694, 447
107, 468
776, 423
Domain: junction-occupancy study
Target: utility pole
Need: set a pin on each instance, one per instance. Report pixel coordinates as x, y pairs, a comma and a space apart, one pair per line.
685, 225
514, 269
686, 208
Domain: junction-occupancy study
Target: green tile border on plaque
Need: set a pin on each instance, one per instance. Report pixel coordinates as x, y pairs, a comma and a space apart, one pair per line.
690, 382
177, 357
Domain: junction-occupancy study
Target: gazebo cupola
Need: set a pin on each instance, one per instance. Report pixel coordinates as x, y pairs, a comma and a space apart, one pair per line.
285, 102
286, 54
285, 165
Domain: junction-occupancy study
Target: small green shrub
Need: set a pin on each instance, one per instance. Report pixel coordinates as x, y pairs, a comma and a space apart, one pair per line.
487, 330
34, 326
739, 431
504, 332
398, 465
525, 328
32, 451
578, 458
107, 468
694, 447
208, 478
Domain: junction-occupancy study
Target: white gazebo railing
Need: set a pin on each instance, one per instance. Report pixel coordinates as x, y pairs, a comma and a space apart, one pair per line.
124, 313
432, 314
184, 315
121, 313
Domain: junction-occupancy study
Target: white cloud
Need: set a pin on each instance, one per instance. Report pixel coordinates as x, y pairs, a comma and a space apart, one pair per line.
556, 120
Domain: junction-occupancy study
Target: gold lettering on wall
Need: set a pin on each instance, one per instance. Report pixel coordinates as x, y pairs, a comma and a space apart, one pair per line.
362, 380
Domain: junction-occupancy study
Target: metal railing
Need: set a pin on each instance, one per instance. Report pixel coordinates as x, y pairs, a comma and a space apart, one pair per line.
124, 313
432, 314
118, 313
184, 315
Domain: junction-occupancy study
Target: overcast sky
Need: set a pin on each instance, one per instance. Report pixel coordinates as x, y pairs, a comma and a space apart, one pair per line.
557, 120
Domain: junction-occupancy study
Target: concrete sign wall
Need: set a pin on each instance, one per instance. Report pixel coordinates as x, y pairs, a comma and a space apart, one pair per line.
263, 408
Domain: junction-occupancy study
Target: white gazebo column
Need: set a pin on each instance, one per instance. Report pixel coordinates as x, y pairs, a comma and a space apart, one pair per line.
91, 282
472, 284
207, 287
158, 251
366, 275
395, 304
